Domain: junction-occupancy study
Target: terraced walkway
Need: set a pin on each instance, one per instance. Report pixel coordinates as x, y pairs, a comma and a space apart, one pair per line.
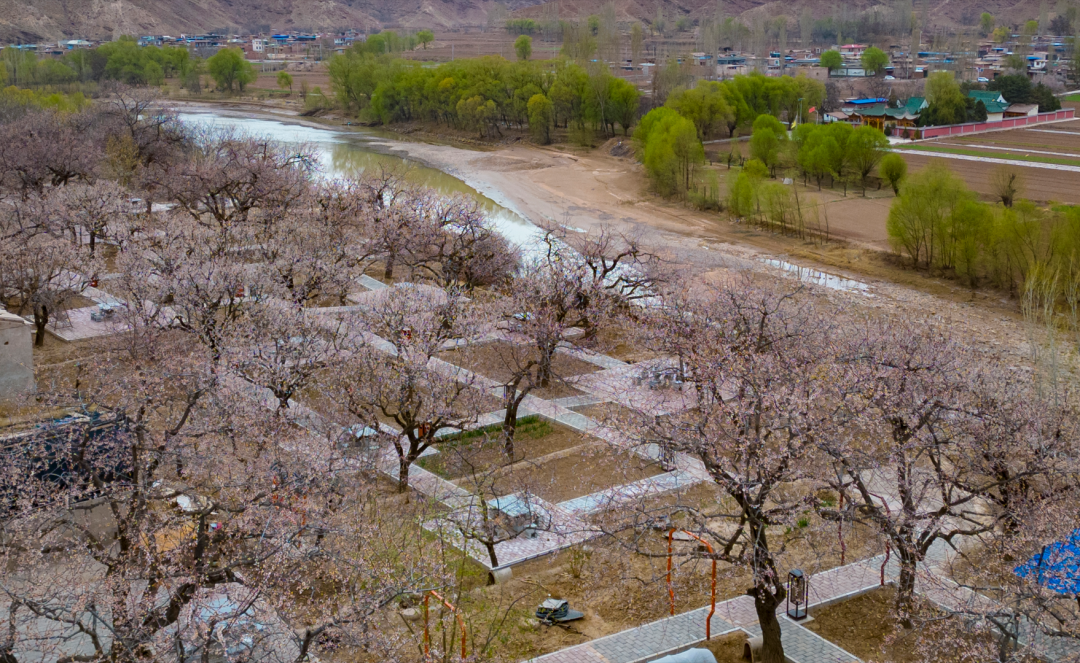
687, 629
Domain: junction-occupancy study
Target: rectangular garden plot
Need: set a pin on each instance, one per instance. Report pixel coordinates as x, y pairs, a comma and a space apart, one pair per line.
481, 451
581, 471
499, 360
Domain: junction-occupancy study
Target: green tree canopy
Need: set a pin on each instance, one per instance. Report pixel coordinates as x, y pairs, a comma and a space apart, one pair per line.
893, 169
523, 47
284, 80
865, 149
767, 140
874, 60
425, 37
229, 68
919, 214
706, 106
541, 117
832, 60
670, 150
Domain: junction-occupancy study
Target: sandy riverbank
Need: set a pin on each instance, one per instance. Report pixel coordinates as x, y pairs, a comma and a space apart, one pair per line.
584, 190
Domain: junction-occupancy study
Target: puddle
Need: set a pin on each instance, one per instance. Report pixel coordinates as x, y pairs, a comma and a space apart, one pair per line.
807, 275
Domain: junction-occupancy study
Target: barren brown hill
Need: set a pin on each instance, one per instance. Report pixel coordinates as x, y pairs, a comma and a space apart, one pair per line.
36, 20
942, 13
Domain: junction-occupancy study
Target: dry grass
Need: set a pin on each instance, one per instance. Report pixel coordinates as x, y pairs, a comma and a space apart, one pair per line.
498, 361
534, 439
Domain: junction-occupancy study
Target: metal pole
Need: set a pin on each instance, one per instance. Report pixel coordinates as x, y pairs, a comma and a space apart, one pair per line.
712, 595
670, 589
457, 615
427, 635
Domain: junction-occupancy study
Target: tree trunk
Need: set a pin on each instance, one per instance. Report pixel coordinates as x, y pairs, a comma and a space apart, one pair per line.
41, 318
905, 591
490, 545
772, 649
388, 272
404, 463
511, 400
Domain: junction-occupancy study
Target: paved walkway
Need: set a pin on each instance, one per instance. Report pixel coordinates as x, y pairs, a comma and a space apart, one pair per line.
370, 283
687, 629
801, 645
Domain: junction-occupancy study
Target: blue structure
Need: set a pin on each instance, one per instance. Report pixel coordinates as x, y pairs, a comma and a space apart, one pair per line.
1057, 567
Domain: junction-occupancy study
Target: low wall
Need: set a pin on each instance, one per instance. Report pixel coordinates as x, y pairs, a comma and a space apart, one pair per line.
1010, 123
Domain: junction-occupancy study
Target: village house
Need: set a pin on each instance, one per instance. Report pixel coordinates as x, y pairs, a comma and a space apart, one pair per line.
877, 113
994, 102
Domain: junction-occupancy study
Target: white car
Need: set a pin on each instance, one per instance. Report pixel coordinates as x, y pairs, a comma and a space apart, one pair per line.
890, 78
983, 79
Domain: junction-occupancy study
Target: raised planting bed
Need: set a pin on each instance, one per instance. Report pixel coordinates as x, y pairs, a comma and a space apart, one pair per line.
581, 471
498, 361
482, 450
867, 627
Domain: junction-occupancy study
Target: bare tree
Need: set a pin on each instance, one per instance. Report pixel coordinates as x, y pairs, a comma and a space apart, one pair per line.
759, 364
949, 458
392, 375
1007, 184
547, 300
90, 208
40, 272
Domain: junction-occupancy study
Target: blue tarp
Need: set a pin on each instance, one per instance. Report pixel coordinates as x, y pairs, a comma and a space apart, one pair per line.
1057, 567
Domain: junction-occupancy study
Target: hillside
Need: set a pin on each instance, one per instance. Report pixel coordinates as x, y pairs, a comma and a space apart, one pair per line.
35, 20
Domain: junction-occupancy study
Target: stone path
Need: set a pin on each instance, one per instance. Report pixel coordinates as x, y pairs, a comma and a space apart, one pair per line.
79, 326
801, 645
687, 629
370, 283
1056, 131
643, 643
594, 358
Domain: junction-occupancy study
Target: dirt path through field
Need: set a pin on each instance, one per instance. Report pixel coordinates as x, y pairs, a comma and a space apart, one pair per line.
1000, 162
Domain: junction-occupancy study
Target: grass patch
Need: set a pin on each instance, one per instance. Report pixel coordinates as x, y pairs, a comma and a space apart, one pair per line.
1072, 97
997, 155
529, 423
481, 446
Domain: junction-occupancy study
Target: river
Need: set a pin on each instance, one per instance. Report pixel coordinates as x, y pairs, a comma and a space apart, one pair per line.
350, 153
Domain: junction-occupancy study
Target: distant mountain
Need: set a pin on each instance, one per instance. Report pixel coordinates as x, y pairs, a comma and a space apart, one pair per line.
38, 20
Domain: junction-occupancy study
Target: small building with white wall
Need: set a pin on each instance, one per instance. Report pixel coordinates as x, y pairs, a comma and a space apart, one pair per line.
16, 356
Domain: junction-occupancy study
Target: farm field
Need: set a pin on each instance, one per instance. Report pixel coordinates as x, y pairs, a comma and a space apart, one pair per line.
1052, 150
1051, 138
1041, 184
1013, 154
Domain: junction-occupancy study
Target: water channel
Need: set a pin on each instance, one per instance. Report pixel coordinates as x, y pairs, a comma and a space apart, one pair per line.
343, 153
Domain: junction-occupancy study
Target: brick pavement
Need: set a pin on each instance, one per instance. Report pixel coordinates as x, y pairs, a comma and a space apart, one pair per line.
801, 645
685, 630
